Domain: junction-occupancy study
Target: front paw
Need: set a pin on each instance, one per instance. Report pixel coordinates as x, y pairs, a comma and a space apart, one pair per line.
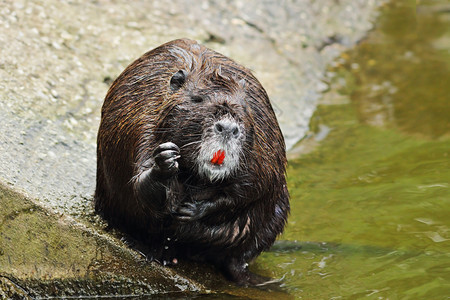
165, 157
188, 212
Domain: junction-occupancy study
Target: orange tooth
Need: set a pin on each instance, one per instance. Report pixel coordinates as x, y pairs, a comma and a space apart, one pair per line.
218, 157
221, 157
215, 158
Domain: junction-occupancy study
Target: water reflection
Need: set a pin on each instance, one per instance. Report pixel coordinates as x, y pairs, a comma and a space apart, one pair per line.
401, 76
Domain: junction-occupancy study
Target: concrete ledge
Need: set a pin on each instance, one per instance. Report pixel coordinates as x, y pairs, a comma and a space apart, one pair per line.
46, 255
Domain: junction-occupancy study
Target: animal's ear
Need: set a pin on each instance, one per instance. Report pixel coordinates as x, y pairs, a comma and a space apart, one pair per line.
177, 80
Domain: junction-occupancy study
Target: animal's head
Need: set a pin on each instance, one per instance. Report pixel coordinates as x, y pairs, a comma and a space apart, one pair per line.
208, 117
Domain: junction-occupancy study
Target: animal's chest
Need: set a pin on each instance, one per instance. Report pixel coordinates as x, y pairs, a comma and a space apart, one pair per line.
202, 194
192, 189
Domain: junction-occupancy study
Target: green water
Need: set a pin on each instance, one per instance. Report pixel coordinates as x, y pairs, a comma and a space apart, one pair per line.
370, 203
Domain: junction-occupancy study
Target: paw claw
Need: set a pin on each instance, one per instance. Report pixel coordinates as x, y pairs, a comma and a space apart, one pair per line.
165, 157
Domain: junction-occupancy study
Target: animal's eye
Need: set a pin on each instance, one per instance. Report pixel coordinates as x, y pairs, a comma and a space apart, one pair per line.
177, 80
197, 99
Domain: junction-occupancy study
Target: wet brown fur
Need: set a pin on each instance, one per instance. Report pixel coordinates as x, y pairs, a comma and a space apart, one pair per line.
140, 112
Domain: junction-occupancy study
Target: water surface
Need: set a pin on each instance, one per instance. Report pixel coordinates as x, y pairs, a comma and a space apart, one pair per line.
371, 190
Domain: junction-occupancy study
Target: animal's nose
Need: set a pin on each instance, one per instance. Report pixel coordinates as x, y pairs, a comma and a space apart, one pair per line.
227, 128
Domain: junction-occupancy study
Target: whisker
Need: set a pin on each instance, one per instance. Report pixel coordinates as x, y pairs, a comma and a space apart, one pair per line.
191, 143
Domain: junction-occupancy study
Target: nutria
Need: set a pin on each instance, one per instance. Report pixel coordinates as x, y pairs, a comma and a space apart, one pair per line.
191, 159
